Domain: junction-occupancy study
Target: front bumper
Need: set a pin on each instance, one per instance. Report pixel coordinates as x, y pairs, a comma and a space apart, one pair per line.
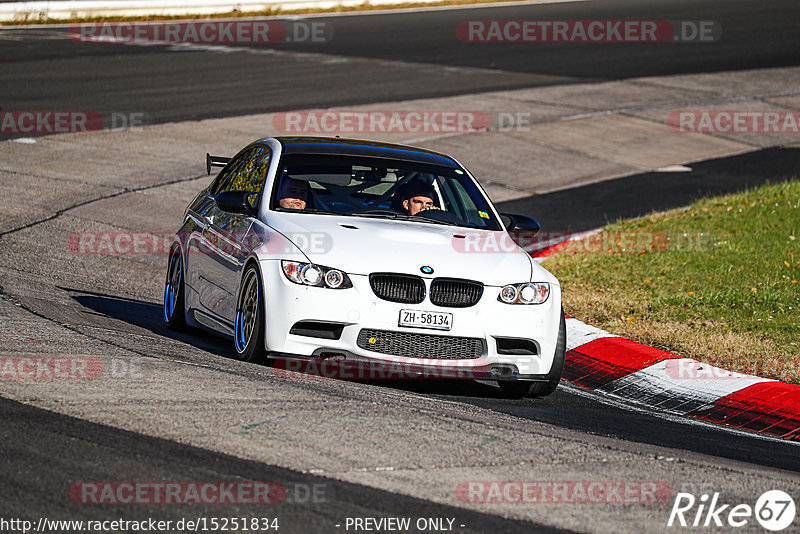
358, 308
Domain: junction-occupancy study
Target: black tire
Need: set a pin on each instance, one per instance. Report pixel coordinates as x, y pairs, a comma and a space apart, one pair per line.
248, 341
174, 307
543, 389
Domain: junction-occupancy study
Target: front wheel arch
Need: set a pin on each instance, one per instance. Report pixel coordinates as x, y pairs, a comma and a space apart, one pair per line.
250, 318
545, 388
174, 304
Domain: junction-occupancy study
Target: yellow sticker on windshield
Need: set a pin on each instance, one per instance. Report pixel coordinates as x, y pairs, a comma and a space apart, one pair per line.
483, 214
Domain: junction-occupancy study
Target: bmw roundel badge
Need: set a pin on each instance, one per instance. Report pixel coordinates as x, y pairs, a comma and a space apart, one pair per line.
426, 269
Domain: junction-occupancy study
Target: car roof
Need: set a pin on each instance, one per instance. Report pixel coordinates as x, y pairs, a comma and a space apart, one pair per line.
361, 147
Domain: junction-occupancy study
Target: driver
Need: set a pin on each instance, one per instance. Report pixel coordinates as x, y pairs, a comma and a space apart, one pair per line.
293, 194
419, 197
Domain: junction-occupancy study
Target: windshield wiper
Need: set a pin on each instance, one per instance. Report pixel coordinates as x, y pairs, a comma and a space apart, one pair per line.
306, 210
393, 216
403, 217
446, 223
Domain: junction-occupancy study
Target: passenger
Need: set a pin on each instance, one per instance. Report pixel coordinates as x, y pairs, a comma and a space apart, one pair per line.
293, 194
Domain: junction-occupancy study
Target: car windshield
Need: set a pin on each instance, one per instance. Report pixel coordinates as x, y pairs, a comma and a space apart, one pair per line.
381, 188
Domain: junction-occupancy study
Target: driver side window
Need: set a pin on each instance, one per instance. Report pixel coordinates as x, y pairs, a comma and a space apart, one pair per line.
224, 177
252, 173
247, 173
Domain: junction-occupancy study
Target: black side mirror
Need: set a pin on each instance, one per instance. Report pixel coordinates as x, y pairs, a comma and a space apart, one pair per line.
520, 223
235, 202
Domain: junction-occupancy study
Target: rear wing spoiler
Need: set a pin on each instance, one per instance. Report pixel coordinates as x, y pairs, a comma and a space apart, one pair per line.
215, 161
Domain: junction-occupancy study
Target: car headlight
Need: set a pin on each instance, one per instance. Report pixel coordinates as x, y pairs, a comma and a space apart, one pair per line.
309, 274
525, 293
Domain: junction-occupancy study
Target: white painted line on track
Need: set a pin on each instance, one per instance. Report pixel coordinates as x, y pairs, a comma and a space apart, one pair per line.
388, 11
438, 8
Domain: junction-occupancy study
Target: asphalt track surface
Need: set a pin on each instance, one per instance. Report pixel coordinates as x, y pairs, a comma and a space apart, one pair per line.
46, 452
593, 206
377, 58
38, 441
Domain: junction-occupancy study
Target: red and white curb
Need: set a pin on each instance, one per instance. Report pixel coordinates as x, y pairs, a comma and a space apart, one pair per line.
600, 361
553, 245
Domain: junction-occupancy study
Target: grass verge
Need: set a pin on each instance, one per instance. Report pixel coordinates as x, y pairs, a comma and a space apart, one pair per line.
717, 282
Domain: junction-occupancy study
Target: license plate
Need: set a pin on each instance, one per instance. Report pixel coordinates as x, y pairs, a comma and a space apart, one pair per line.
426, 319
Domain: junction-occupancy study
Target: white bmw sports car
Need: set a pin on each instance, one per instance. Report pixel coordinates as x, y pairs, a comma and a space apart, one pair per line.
364, 251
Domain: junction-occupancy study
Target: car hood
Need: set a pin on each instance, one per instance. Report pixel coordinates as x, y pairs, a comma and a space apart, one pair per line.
359, 245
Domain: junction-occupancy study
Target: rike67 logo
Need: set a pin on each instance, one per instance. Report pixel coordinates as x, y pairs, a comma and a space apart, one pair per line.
774, 510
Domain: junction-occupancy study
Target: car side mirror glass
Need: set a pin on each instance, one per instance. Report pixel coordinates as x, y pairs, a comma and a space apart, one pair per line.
235, 202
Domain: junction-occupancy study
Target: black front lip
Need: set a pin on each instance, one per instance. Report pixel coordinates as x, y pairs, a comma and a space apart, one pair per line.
370, 367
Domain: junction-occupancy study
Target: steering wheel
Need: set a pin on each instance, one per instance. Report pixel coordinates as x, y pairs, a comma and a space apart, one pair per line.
439, 215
